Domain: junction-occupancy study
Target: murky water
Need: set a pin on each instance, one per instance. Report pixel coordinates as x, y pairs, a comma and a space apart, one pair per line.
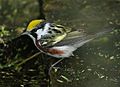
97, 63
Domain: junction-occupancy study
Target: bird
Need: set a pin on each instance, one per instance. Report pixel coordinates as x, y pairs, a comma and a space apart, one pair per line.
57, 40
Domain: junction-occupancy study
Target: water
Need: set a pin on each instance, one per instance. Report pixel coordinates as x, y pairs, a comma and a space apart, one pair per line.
96, 64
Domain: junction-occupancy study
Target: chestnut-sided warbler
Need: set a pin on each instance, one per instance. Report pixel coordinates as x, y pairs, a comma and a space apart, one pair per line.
57, 40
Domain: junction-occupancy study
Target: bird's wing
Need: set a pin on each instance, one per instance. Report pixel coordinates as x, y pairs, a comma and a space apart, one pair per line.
77, 38
74, 40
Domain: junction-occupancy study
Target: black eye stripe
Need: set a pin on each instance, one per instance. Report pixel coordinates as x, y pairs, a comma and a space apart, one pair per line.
34, 30
41, 25
34, 35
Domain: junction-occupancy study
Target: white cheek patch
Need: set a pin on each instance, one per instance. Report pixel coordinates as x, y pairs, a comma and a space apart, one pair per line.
42, 32
39, 34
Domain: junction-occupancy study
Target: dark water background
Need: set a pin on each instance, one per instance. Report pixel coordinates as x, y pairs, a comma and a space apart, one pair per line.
96, 64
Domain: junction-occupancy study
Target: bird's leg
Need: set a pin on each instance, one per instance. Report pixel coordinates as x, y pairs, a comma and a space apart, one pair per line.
54, 65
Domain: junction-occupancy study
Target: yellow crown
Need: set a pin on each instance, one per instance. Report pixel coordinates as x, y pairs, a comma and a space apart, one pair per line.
34, 23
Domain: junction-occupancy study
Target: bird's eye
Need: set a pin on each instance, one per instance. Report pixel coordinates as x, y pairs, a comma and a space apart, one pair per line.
41, 26
34, 30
